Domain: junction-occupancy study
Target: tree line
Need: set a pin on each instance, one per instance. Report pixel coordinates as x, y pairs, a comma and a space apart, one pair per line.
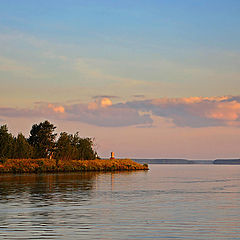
43, 143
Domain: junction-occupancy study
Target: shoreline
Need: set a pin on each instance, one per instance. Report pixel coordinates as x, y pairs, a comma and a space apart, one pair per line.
55, 166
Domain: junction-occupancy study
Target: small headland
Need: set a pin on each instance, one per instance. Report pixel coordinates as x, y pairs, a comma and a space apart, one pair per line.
227, 161
53, 165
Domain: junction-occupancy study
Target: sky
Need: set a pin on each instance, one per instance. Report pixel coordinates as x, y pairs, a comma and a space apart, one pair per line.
145, 78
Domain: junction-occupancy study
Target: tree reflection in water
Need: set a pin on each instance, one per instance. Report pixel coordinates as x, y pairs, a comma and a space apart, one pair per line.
30, 201
52, 205
42, 187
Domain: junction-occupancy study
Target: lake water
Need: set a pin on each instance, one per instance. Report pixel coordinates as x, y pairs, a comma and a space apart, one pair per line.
167, 202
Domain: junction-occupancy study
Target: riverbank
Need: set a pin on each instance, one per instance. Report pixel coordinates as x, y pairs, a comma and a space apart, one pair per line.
52, 165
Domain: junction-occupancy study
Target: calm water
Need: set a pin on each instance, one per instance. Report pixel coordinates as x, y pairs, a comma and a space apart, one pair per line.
167, 202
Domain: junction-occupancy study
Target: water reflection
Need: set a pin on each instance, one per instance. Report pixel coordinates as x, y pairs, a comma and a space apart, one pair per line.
43, 187
168, 202
35, 205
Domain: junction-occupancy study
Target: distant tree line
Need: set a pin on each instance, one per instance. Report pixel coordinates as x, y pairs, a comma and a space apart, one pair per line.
42, 143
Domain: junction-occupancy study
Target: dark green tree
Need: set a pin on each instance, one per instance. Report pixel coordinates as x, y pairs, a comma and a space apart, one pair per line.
42, 138
22, 148
6, 143
64, 147
85, 149
41, 144
74, 147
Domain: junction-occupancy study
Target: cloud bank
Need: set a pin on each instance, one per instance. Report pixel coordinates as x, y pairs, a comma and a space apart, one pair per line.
195, 112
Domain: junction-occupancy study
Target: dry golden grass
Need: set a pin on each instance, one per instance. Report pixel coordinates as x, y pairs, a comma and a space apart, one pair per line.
52, 165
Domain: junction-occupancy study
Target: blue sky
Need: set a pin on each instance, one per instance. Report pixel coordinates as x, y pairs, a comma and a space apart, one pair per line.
60, 53
188, 23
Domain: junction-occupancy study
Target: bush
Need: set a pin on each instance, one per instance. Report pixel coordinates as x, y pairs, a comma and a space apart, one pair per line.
51, 165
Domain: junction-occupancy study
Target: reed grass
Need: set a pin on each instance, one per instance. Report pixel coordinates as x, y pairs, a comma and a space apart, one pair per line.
52, 165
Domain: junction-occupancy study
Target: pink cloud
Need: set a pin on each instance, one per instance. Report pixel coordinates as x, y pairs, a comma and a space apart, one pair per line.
194, 111
183, 112
228, 111
57, 109
100, 103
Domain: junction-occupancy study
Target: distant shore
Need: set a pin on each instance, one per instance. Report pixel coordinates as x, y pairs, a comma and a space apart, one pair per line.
186, 161
52, 165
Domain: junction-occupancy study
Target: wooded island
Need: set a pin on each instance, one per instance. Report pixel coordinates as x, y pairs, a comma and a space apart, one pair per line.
43, 152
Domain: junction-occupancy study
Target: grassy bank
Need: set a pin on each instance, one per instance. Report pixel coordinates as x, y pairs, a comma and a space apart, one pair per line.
52, 165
